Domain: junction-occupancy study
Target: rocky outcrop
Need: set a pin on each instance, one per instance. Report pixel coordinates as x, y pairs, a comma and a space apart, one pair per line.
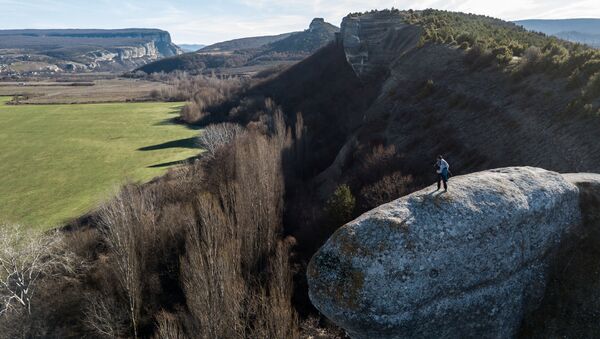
257, 53
105, 50
372, 41
467, 263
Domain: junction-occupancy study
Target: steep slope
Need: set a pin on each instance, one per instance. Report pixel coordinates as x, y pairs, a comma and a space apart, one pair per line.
48, 51
399, 88
410, 96
250, 55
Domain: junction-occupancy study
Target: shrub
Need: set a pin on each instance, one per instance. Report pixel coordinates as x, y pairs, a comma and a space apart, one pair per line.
503, 54
478, 57
191, 112
532, 54
389, 188
592, 88
340, 206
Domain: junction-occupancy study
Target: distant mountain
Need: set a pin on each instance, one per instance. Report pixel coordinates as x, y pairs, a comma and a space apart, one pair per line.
244, 43
249, 55
190, 47
25, 52
585, 31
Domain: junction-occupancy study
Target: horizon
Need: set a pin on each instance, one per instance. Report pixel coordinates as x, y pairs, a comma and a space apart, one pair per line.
203, 22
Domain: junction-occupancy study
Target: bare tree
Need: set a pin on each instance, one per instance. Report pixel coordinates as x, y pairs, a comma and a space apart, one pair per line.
211, 273
128, 223
216, 136
169, 327
104, 317
25, 260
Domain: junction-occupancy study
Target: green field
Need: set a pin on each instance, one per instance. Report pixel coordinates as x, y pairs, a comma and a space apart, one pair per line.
59, 161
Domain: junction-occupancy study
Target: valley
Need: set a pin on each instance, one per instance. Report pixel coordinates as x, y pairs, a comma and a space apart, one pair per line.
82, 89
283, 186
59, 161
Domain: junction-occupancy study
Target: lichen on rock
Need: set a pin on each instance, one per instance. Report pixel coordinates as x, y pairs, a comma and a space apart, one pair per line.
466, 263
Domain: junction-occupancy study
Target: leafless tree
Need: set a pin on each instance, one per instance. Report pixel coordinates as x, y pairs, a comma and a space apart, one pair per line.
104, 317
25, 260
169, 327
128, 223
211, 273
216, 136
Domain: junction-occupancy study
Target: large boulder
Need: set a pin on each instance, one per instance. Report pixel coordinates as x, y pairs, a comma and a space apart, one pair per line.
571, 304
466, 263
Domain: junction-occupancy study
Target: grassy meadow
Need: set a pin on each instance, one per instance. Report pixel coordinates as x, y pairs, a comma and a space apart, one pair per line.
59, 161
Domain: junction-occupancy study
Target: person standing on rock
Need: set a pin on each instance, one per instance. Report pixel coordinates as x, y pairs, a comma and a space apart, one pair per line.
443, 172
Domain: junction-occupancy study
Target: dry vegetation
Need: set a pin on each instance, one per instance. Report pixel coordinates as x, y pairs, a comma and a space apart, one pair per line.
199, 253
200, 91
91, 91
218, 248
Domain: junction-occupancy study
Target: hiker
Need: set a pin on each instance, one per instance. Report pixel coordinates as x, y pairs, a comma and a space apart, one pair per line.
443, 172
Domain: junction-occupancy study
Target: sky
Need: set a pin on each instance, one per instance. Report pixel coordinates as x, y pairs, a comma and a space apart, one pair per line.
207, 22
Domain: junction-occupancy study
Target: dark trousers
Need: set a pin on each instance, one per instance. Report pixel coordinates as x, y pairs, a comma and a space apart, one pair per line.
444, 178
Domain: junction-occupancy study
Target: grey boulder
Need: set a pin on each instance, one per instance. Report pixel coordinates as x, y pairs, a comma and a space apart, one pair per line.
466, 263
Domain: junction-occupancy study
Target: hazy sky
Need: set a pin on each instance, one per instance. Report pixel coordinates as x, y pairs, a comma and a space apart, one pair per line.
203, 21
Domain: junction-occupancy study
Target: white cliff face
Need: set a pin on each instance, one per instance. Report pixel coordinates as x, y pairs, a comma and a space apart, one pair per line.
131, 55
372, 41
89, 50
467, 263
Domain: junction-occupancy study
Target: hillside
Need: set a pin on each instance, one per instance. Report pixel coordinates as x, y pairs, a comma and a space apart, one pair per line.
24, 52
250, 55
244, 43
402, 87
221, 247
585, 31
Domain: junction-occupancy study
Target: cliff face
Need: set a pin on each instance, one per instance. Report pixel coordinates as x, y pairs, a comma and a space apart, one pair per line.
85, 50
373, 40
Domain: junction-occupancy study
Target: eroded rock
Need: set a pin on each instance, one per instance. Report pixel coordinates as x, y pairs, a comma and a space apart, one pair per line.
371, 41
467, 263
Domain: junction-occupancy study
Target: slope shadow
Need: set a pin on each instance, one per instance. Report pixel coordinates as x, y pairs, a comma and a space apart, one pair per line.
171, 163
177, 121
181, 143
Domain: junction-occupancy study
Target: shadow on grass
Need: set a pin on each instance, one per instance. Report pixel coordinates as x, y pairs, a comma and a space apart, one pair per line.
181, 143
177, 121
171, 163
175, 110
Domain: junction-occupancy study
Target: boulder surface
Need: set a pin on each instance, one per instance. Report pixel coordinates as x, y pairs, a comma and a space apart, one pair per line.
466, 263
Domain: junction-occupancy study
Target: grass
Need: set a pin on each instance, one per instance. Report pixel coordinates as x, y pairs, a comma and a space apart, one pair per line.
59, 161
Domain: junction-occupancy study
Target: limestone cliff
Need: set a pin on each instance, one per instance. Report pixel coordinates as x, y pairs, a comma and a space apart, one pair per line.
84, 50
372, 41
